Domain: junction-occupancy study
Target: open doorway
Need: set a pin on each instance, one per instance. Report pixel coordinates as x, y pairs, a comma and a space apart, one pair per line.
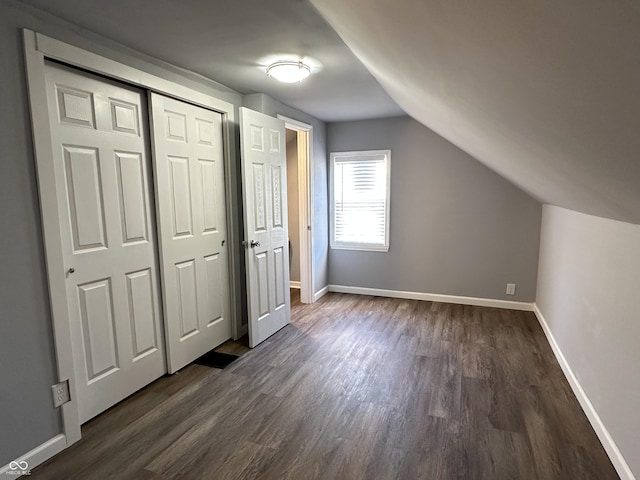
298, 148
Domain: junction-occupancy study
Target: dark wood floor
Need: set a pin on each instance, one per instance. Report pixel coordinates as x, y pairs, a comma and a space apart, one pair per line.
356, 387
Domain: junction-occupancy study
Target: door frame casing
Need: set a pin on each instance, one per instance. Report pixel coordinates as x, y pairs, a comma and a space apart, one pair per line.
305, 194
37, 49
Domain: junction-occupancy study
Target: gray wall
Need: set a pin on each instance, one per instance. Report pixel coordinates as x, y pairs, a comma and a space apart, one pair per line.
27, 359
588, 284
269, 106
456, 227
292, 204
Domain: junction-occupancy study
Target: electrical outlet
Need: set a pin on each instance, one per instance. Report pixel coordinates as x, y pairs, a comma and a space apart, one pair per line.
511, 288
60, 392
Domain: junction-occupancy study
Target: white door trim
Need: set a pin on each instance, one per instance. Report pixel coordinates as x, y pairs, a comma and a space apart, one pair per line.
52, 232
39, 47
305, 194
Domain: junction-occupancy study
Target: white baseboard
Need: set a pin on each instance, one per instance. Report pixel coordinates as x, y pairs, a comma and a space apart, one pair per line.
607, 441
294, 284
35, 457
321, 293
433, 297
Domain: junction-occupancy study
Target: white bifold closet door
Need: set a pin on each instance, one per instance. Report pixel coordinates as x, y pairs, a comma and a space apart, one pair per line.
191, 213
99, 137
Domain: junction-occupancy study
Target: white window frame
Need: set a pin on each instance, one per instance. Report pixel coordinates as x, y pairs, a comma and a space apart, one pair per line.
364, 154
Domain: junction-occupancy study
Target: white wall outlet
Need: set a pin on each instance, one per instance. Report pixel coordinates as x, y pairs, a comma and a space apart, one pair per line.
511, 288
60, 393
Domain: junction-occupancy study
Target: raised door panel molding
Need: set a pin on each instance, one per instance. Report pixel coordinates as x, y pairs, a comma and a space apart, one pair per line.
180, 196
262, 268
276, 195
132, 197
98, 328
142, 314
124, 116
279, 269
86, 204
204, 131
214, 291
176, 126
187, 298
259, 198
76, 107
209, 195
274, 141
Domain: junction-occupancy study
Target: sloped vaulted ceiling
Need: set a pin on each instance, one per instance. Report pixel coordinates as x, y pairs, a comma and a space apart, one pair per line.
546, 93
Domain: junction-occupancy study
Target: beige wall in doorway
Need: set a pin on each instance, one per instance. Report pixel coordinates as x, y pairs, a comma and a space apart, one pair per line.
293, 203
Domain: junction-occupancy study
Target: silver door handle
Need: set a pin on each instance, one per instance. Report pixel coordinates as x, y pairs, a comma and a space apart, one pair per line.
254, 244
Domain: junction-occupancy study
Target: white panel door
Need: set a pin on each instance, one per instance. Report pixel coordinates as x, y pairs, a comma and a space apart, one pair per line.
190, 195
100, 145
264, 180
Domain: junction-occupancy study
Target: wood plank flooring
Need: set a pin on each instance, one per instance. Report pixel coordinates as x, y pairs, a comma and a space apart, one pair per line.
356, 387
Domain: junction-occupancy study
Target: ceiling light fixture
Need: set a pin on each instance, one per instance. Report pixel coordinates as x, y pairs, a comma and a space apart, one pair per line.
289, 71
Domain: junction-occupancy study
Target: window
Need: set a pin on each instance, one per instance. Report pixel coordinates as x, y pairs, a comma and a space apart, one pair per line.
360, 200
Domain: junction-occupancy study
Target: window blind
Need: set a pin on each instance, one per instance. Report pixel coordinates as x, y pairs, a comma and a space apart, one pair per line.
360, 188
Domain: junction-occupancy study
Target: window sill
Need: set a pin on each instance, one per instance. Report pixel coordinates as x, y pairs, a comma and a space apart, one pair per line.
361, 247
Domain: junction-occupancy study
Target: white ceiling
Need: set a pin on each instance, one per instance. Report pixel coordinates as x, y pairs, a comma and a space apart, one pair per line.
545, 93
226, 41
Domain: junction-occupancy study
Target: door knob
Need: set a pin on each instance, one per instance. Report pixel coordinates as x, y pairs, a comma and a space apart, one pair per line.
71, 270
254, 244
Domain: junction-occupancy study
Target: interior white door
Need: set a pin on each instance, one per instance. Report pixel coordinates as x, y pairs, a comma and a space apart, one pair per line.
264, 170
100, 148
191, 211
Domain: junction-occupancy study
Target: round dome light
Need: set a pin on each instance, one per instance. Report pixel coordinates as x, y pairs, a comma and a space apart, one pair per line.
288, 71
